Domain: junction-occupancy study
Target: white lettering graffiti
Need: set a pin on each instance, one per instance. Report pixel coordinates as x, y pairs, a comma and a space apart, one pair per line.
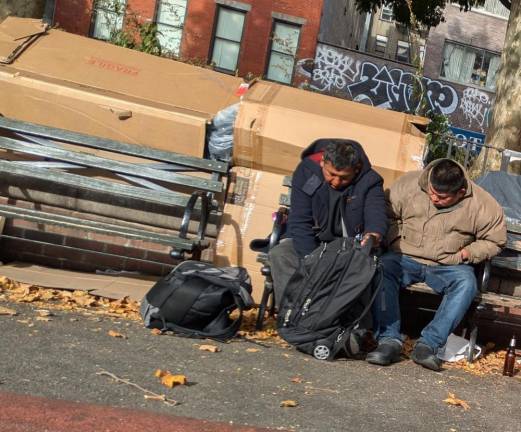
475, 106
376, 85
333, 69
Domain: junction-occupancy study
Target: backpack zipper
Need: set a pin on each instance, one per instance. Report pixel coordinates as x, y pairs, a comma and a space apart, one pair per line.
305, 308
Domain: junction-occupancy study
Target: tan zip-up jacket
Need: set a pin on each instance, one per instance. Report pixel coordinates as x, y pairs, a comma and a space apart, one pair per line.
436, 236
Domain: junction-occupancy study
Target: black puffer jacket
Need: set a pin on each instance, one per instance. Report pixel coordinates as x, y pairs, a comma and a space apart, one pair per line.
364, 201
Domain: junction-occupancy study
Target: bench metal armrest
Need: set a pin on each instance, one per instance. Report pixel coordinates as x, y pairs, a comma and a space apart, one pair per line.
187, 217
484, 276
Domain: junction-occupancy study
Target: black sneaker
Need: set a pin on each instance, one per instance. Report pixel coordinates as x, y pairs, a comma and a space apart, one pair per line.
387, 352
424, 355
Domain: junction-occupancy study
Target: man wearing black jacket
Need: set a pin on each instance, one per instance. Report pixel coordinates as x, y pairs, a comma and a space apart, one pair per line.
333, 182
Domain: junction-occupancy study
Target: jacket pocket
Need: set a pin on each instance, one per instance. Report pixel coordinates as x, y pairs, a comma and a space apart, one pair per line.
411, 236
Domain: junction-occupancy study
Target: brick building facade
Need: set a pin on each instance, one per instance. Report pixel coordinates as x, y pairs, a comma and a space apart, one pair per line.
248, 37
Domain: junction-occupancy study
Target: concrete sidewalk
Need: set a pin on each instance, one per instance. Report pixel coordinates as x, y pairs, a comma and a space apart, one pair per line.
245, 383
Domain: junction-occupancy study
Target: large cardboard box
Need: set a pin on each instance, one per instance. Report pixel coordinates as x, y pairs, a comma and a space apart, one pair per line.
275, 123
84, 85
252, 199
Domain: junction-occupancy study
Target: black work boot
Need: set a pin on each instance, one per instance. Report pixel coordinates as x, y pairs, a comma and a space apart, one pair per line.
387, 352
424, 355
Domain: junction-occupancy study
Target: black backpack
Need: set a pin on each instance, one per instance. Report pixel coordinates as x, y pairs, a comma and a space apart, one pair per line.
196, 300
325, 305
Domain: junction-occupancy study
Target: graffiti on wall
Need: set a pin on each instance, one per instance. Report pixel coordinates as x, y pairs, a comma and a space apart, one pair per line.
475, 106
341, 73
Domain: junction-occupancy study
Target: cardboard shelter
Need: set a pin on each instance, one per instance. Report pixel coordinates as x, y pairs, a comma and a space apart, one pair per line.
84, 85
253, 197
276, 123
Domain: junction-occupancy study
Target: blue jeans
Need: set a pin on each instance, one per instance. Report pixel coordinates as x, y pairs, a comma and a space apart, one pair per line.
457, 284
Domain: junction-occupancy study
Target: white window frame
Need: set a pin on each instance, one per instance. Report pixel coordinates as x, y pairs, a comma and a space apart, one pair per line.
383, 39
175, 27
289, 57
387, 13
216, 37
482, 83
494, 8
405, 45
105, 8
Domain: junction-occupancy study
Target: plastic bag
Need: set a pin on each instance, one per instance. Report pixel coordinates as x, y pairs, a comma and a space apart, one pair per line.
456, 349
220, 142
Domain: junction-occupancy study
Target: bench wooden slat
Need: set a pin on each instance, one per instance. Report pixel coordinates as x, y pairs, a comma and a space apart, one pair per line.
514, 241
491, 298
97, 185
112, 145
96, 226
89, 160
513, 263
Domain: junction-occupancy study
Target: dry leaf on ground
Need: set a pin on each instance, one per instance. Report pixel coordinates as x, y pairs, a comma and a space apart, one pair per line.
7, 311
169, 380
116, 334
172, 380
252, 350
156, 332
453, 400
289, 404
43, 318
209, 348
296, 380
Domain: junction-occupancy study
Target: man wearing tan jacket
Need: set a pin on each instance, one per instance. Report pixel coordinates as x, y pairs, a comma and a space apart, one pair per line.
440, 223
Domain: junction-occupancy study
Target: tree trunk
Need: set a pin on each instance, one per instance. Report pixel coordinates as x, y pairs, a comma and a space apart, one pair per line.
505, 128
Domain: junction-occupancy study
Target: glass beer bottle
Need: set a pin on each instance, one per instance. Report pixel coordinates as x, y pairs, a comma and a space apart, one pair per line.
510, 358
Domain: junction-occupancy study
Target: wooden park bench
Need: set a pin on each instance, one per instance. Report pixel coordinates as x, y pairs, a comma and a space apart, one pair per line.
104, 189
488, 296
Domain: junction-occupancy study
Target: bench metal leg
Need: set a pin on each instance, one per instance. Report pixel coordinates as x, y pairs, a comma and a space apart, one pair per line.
472, 341
267, 297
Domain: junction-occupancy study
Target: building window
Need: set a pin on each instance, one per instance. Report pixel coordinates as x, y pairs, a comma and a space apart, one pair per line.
493, 7
387, 14
108, 18
284, 45
381, 44
169, 21
469, 65
227, 38
403, 52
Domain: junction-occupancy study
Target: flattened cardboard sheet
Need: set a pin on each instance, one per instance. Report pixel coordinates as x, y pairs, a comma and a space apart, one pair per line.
113, 287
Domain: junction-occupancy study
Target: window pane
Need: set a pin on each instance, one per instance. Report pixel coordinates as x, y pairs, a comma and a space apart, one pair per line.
387, 13
230, 25
478, 74
169, 38
225, 54
402, 52
106, 23
280, 67
171, 12
285, 38
493, 67
381, 43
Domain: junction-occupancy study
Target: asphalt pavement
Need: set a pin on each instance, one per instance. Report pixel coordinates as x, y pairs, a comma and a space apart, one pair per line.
243, 384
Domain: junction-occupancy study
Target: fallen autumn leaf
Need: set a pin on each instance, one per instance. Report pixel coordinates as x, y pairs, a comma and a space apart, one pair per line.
453, 400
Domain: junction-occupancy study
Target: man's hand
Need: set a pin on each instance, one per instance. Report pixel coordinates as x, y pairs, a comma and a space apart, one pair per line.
376, 238
465, 255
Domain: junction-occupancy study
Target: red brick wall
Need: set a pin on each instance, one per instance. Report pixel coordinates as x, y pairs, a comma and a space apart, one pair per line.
199, 27
75, 16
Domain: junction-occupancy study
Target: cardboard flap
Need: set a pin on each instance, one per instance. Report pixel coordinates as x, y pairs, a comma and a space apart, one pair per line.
16, 34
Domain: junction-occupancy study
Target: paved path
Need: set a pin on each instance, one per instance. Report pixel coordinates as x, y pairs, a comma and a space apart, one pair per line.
244, 383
